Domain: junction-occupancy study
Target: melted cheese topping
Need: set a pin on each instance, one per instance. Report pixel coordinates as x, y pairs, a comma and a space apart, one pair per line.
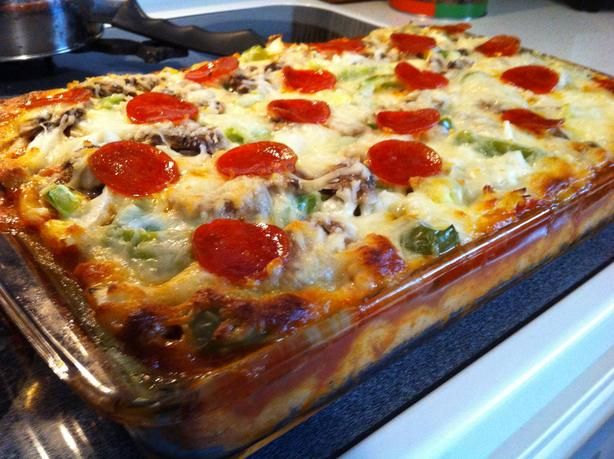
148, 240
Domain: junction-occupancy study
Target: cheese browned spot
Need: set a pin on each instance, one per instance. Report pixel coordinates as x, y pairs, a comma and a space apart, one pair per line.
91, 273
380, 256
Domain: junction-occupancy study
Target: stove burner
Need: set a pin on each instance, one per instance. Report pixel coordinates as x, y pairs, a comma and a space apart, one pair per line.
18, 77
149, 51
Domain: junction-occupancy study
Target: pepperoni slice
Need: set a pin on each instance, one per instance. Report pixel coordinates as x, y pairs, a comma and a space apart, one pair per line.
410, 122
153, 107
530, 121
308, 81
605, 83
339, 46
536, 78
452, 29
299, 110
412, 44
238, 250
259, 158
500, 45
412, 78
396, 161
72, 96
212, 72
132, 168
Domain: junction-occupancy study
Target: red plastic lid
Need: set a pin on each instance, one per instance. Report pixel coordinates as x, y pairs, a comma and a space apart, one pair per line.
457, 9
414, 6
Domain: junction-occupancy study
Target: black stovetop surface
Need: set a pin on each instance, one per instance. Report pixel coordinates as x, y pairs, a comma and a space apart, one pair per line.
40, 416
294, 23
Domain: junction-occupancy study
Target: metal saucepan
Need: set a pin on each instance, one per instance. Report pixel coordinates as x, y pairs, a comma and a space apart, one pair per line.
38, 28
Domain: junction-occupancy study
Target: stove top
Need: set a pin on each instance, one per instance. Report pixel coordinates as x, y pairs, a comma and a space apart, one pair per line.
118, 51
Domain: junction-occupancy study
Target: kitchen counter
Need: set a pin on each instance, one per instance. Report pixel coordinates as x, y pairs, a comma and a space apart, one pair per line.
41, 417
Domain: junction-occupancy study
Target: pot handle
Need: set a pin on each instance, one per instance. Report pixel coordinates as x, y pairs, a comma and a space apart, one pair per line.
129, 16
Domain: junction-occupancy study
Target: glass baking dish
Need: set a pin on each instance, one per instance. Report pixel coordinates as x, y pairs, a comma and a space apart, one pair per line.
244, 402
234, 406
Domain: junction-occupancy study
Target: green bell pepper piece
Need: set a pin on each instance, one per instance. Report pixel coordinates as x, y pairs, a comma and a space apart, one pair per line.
234, 136
306, 203
63, 199
446, 123
203, 326
111, 101
354, 72
429, 241
255, 53
490, 147
381, 82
